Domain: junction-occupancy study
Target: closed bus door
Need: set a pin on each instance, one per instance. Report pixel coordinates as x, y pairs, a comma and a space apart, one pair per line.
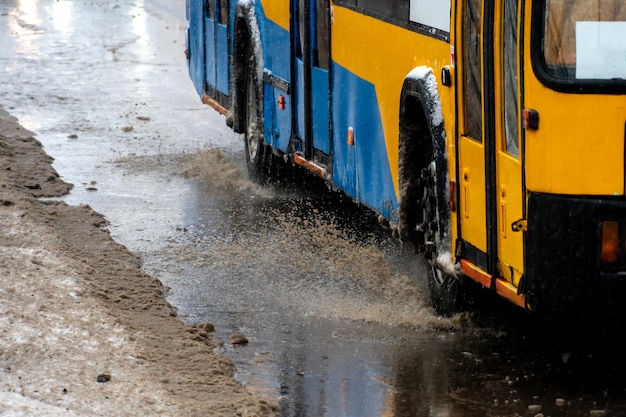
216, 48
311, 72
490, 166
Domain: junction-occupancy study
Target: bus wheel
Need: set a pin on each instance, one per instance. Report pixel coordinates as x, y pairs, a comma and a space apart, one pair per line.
258, 153
445, 289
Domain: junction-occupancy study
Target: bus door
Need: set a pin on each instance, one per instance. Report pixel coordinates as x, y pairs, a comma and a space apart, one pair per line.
216, 48
311, 75
490, 154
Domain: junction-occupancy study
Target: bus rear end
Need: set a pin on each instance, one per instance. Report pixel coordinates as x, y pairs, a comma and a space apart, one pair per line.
574, 115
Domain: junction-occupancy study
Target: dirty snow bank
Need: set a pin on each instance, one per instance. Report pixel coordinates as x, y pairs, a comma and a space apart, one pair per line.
83, 330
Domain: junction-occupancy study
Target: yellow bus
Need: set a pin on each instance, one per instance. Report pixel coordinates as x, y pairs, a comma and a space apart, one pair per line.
489, 134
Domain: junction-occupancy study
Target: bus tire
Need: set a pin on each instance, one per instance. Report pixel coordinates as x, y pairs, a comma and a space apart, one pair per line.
258, 153
446, 290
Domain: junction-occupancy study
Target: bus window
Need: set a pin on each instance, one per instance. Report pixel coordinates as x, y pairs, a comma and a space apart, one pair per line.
348, 3
510, 77
300, 32
210, 9
435, 14
321, 37
395, 10
472, 59
577, 32
223, 16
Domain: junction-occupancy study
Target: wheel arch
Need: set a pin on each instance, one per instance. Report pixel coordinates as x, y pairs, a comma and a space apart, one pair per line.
422, 139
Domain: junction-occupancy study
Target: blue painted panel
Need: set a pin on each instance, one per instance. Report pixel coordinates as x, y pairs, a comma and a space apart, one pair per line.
209, 47
298, 91
282, 121
222, 58
275, 44
195, 42
320, 102
277, 122
269, 132
321, 98
361, 170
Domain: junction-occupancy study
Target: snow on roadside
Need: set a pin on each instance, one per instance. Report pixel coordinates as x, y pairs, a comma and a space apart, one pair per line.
55, 339
83, 330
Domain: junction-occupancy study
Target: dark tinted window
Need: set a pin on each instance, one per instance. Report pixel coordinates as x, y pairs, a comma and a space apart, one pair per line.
322, 44
397, 12
394, 10
209, 8
472, 65
223, 16
511, 111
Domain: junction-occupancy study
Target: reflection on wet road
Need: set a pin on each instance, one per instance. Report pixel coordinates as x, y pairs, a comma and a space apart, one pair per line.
334, 308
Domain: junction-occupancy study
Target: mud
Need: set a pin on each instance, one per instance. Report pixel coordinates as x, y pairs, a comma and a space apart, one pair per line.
306, 259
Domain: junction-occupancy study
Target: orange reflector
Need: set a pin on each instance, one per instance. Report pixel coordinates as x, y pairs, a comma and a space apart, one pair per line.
452, 196
350, 136
281, 102
530, 119
610, 242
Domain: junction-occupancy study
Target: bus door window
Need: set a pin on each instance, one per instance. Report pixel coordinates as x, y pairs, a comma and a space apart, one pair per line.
473, 69
209, 9
320, 83
320, 38
301, 27
322, 47
222, 17
511, 93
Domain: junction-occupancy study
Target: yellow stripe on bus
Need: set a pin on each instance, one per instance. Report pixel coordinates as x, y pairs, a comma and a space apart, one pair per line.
363, 45
277, 11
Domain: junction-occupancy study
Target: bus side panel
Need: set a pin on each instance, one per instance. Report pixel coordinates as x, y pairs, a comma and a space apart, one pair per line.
361, 169
277, 120
383, 54
275, 46
299, 97
320, 101
209, 50
195, 45
221, 45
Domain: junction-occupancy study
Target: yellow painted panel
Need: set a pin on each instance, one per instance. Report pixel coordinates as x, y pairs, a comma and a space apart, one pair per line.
579, 146
509, 200
472, 204
384, 54
277, 11
509, 195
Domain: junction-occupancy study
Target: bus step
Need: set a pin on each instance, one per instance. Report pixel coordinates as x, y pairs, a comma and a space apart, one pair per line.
316, 169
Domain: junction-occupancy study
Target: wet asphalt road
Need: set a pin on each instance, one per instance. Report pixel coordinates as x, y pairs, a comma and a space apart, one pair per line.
334, 308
